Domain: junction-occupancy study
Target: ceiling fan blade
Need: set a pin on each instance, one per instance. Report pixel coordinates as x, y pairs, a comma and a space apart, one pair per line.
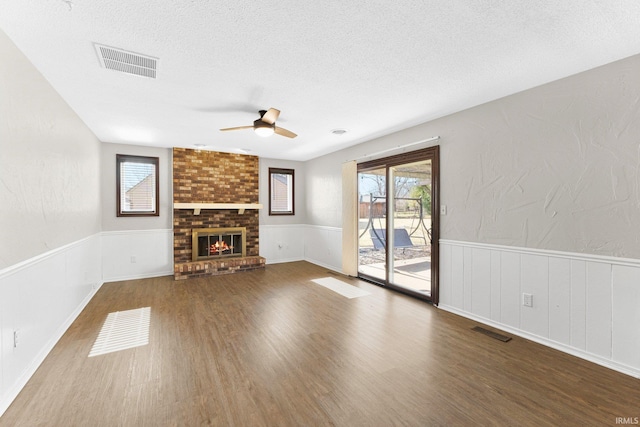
284, 132
271, 116
237, 128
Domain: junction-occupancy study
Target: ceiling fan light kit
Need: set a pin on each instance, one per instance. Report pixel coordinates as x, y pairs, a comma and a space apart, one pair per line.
263, 129
266, 125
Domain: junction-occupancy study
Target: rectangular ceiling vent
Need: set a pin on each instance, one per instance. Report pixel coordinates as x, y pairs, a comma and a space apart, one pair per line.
126, 62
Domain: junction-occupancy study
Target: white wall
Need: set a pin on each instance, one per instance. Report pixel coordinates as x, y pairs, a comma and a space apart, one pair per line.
554, 168
136, 247
49, 218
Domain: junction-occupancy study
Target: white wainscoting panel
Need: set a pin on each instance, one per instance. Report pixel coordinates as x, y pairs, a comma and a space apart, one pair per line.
457, 276
599, 301
323, 246
509, 288
136, 254
446, 262
480, 284
496, 283
534, 280
467, 279
282, 243
585, 305
319, 245
560, 300
39, 299
578, 304
625, 315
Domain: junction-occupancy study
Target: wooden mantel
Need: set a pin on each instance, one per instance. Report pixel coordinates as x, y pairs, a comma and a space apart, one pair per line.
197, 207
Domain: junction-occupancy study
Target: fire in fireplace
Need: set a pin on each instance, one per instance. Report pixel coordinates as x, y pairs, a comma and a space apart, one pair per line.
215, 243
219, 247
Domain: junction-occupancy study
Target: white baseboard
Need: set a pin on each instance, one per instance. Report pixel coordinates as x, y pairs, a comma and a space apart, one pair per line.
140, 276
324, 265
282, 261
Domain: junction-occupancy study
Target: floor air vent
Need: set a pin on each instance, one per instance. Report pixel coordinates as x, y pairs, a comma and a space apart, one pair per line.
126, 62
491, 334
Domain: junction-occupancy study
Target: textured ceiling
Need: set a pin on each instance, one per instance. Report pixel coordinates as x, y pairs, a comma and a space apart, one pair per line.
370, 67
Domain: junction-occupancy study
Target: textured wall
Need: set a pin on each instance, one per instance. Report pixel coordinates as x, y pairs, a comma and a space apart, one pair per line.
324, 189
49, 165
555, 167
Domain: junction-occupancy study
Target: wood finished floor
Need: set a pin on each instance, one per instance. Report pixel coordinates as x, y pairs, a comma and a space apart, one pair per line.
271, 348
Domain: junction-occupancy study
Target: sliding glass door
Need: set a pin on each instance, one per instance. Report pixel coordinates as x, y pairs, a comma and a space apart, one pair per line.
398, 222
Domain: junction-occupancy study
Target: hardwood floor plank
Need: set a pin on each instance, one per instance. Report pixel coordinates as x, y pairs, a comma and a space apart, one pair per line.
270, 347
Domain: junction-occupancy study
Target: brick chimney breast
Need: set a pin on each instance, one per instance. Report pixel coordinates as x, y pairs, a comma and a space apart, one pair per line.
213, 177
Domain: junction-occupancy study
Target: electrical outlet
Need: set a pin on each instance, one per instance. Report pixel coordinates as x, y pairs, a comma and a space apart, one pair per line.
527, 300
133, 260
443, 209
15, 339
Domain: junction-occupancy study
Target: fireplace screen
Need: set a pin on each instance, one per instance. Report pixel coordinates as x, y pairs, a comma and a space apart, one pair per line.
215, 243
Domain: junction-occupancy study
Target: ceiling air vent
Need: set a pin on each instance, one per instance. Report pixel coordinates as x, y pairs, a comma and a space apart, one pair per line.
126, 62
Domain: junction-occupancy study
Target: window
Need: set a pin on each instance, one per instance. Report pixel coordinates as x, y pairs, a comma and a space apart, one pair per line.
280, 191
137, 186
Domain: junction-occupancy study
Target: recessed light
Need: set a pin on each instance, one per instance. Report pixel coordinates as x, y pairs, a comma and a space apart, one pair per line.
339, 131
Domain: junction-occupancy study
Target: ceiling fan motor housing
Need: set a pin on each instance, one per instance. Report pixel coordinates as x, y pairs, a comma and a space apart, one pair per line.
260, 124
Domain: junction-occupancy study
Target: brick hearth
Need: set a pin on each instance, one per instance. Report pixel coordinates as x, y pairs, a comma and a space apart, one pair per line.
213, 177
189, 270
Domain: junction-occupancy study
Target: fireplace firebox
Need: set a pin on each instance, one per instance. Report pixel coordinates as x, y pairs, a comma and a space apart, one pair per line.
216, 243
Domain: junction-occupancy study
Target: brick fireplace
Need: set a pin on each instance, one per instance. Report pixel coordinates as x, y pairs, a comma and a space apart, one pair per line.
224, 179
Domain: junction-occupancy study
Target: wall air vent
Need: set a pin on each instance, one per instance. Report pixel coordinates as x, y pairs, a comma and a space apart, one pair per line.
126, 62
